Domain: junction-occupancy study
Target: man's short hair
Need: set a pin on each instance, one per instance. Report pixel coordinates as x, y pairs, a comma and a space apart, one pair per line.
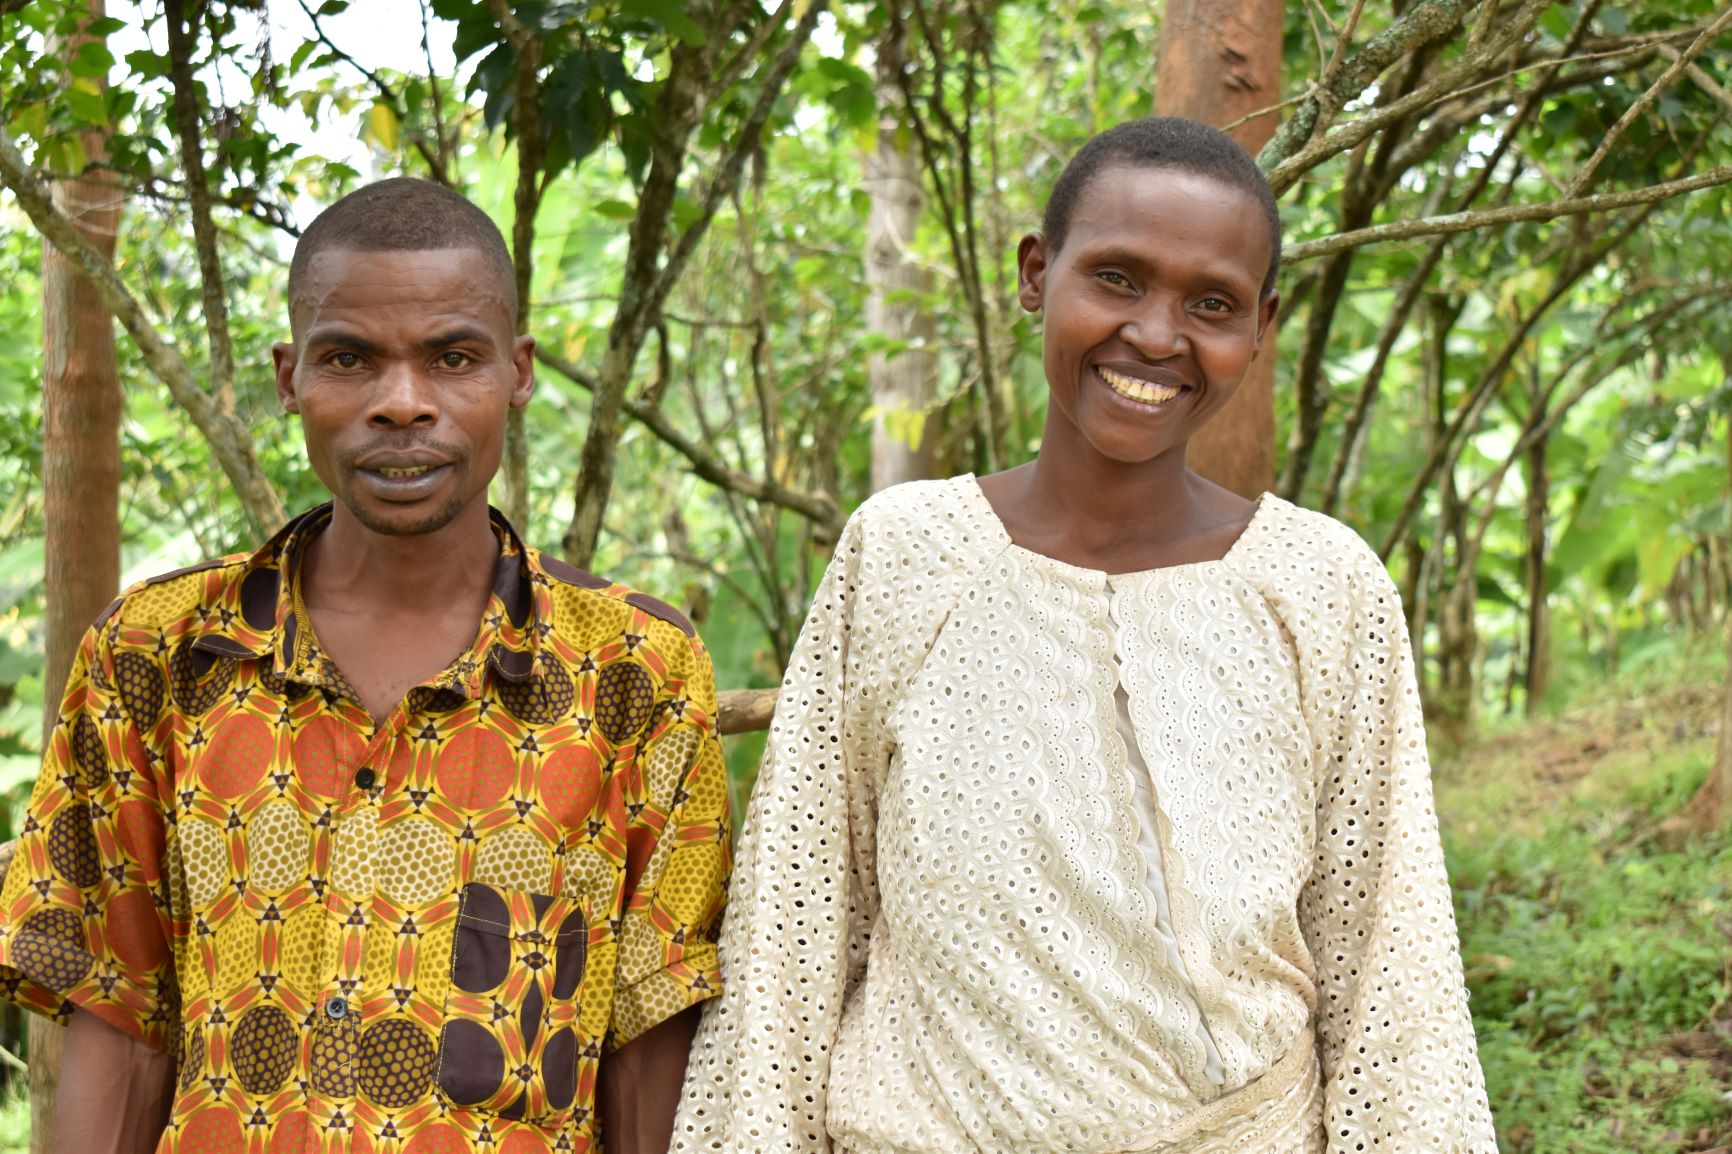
404, 214
1164, 142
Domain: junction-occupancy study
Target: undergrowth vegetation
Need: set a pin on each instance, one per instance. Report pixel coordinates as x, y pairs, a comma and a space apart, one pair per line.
1598, 939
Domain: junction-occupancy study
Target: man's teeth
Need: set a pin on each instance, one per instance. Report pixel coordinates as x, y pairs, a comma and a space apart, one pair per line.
1149, 394
399, 474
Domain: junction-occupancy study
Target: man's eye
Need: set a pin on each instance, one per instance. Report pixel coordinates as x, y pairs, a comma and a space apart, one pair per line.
345, 360
454, 360
1117, 279
1215, 305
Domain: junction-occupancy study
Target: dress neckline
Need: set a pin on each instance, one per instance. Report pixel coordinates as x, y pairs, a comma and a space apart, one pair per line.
988, 516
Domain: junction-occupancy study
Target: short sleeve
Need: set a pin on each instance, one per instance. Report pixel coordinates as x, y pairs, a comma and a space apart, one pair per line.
85, 912
677, 853
1400, 1066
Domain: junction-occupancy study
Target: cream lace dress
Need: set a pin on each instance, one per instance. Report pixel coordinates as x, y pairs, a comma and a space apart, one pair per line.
969, 915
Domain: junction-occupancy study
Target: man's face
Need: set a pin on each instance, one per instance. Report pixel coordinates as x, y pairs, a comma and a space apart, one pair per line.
402, 369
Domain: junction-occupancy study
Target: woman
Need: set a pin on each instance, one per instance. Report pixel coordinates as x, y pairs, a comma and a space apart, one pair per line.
1096, 814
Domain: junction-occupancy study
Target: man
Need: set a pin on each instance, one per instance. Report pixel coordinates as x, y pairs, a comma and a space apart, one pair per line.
395, 834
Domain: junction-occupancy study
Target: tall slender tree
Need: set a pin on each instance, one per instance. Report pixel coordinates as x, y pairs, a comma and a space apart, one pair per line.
1219, 61
81, 407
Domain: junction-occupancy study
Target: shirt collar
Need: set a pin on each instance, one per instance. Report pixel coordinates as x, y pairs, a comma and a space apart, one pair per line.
258, 613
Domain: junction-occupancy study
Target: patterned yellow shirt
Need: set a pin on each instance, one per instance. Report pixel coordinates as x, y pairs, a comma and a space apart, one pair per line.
414, 936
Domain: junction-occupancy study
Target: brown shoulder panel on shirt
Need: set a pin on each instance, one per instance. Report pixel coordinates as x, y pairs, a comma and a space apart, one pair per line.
161, 578
571, 574
663, 610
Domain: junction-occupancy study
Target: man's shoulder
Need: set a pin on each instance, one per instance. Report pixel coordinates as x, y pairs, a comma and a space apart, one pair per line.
159, 602
579, 589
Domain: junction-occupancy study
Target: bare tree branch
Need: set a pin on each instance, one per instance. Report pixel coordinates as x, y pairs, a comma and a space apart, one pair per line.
1701, 77
230, 440
1425, 22
1680, 61
820, 508
435, 159
1456, 222
186, 122
1438, 88
645, 288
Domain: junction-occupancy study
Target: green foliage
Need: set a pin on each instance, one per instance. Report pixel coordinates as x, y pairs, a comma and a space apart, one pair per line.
1595, 942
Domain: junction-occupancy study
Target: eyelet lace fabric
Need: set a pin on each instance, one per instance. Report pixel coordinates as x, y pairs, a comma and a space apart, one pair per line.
941, 934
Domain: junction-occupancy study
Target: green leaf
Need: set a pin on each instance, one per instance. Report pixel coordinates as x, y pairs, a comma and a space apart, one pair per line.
670, 14
93, 60
615, 209
84, 99
383, 126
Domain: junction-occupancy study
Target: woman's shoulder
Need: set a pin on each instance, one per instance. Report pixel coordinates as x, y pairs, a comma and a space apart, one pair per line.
1308, 555
942, 516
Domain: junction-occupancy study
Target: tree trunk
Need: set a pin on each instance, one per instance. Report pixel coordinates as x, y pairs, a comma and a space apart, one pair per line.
903, 383
1711, 808
1218, 61
81, 403
1537, 675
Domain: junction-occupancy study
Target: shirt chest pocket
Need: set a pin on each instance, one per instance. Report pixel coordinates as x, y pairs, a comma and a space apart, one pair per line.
509, 1045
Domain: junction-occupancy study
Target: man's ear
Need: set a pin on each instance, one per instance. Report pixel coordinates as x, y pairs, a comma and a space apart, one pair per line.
1031, 258
523, 365
284, 358
1266, 310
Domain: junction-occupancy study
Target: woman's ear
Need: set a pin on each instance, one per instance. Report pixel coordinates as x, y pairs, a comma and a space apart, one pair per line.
1266, 310
1031, 272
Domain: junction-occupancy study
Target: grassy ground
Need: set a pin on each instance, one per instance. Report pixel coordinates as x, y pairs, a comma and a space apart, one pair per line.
1598, 945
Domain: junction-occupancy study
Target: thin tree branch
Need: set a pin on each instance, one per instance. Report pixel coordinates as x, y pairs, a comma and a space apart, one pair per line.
1424, 23
435, 160
819, 508
186, 119
1702, 78
1438, 88
1457, 222
1680, 61
229, 438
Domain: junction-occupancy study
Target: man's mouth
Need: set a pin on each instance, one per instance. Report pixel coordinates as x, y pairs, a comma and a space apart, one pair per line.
398, 474
1136, 389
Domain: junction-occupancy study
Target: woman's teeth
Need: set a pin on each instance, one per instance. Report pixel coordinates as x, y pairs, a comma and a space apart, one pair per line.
1132, 388
399, 474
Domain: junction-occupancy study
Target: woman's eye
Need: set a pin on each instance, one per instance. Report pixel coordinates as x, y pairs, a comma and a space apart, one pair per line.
454, 360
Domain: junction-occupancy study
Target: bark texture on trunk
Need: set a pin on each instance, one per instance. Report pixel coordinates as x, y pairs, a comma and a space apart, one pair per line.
81, 408
1218, 61
1537, 676
903, 383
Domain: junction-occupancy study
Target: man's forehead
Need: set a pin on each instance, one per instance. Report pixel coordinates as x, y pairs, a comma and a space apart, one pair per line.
460, 278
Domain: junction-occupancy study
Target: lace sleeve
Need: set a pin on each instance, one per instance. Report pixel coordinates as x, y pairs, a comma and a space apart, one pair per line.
1400, 1066
802, 898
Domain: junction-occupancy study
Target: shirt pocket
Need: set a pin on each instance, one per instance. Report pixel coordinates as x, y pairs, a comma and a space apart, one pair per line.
510, 1045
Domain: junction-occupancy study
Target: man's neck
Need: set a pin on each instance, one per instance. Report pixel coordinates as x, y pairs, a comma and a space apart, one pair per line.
350, 568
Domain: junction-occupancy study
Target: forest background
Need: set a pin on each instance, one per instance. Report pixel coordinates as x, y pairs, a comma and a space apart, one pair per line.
767, 249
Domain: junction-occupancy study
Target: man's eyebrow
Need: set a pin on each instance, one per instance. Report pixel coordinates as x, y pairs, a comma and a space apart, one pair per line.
342, 337
461, 335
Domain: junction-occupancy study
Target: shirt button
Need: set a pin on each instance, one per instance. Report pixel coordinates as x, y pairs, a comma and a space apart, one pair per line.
364, 778
337, 1008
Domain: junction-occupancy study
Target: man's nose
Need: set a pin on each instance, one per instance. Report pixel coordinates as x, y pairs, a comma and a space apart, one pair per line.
1156, 328
403, 397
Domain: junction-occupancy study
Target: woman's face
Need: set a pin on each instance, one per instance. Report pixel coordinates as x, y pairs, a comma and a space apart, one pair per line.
1153, 307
